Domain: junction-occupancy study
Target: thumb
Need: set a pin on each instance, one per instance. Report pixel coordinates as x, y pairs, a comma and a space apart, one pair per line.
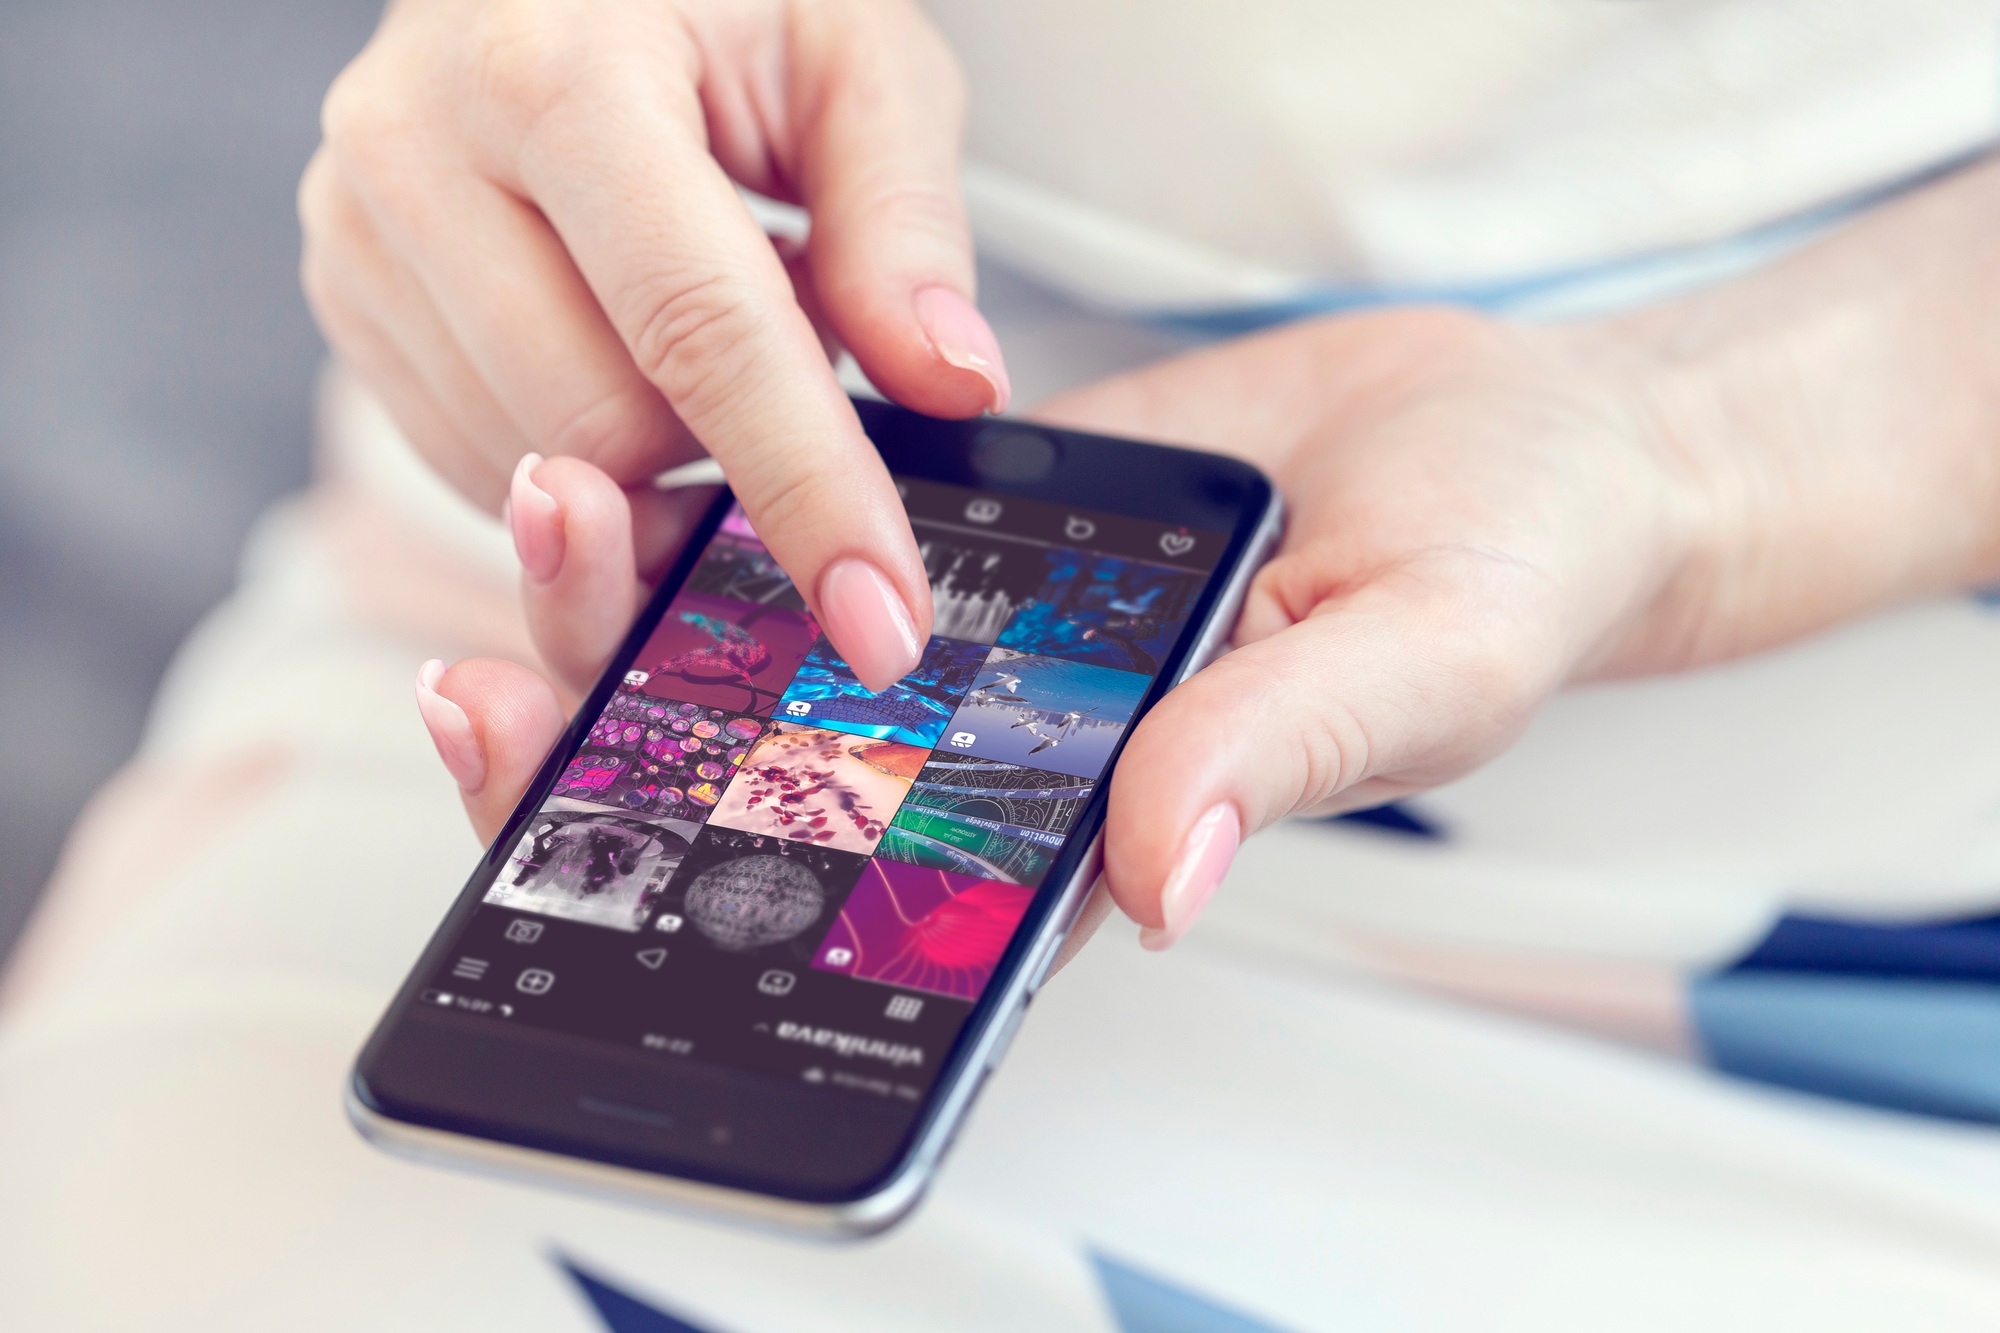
1393, 689
493, 724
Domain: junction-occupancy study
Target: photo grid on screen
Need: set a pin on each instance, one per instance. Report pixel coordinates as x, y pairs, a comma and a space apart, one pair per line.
742, 788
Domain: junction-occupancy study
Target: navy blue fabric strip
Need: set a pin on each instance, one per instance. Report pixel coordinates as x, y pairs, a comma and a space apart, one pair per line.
1964, 950
1394, 817
621, 1311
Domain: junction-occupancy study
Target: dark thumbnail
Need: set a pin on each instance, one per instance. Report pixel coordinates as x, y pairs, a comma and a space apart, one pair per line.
754, 896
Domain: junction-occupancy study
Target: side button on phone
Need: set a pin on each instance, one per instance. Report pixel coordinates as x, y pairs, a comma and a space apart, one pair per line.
1006, 1037
1038, 972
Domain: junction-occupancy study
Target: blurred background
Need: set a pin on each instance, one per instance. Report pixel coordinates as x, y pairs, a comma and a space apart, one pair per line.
156, 358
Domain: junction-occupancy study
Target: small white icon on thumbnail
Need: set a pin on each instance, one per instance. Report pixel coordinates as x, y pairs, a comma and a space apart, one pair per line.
961, 739
839, 957
798, 708
983, 510
668, 922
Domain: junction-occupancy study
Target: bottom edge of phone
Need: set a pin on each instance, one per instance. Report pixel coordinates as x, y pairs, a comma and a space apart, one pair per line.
853, 1220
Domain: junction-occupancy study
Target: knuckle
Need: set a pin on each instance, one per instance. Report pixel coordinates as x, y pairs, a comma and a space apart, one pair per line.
522, 60
687, 335
362, 114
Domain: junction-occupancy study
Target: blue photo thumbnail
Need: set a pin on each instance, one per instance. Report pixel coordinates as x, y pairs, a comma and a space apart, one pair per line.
1044, 712
914, 710
1103, 609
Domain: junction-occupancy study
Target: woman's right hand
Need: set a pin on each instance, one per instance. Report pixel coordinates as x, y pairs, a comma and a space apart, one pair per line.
523, 229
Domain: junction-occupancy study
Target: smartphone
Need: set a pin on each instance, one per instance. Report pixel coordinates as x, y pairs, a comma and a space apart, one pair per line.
755, 936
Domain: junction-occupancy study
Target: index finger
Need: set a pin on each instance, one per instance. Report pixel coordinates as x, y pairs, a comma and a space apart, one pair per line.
706, 309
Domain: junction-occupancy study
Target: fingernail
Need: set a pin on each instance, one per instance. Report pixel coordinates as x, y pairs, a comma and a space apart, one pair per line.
536, 520
865, 617
450, 729
963, 338
1205, 856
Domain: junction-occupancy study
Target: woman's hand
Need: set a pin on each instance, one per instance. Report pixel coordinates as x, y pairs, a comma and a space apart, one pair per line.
523, 230
1475, 518
1480, 513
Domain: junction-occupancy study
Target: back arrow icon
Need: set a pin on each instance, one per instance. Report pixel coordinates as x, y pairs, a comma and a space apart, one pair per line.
652, 958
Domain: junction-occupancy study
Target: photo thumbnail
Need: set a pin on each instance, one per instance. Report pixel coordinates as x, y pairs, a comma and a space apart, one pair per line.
923, 929
1044, 711
807, 784
757, 896
724, 654
1103, 610
584, 864
976, 585
658, 757
736, 565
979, 817
914, 710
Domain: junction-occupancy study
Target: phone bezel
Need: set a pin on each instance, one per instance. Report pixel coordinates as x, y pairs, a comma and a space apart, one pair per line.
1183, 487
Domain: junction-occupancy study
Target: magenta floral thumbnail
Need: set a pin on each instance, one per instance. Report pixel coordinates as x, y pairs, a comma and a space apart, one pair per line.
924, 929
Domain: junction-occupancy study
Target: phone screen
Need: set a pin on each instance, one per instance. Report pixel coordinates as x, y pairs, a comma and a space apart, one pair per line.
752, 862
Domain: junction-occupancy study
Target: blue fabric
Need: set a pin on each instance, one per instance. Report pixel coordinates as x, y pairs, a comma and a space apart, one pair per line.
1394, 817
1911, 1044
1966, 950
620, 1311
1142, 1303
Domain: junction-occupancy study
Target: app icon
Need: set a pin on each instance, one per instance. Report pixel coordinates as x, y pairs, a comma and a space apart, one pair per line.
1079, 529
798, 708
469, 969
668, 922
839, 957
983, 510
904, 1008
652, 958
535, 981
523, 931
1176, 543
961, 739
775, 982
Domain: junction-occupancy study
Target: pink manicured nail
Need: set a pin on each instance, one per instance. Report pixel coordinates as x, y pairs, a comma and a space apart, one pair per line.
536, 520
1205, 856
867, 621
450, 728
963, 338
